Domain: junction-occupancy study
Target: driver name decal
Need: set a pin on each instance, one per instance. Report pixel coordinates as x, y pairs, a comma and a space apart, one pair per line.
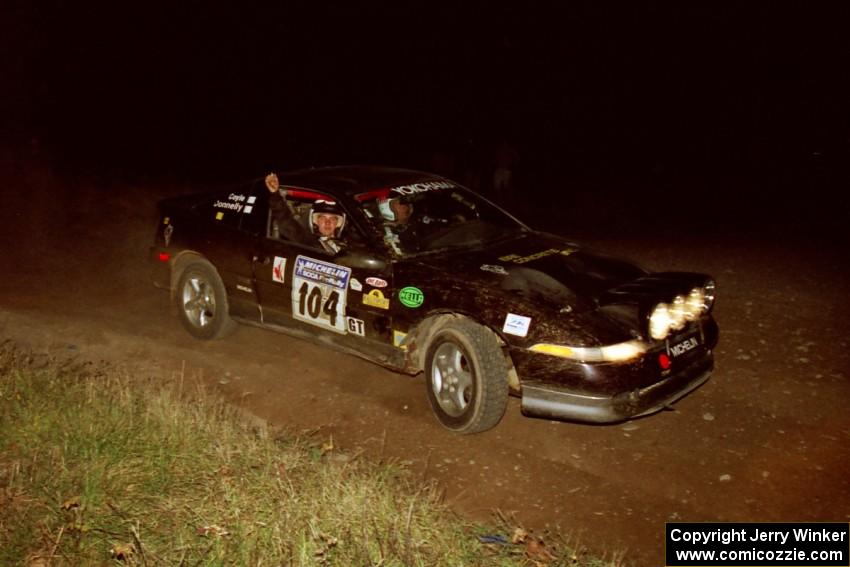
234, 203
319, 293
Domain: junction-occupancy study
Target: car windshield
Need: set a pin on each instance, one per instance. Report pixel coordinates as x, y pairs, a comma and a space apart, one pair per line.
435, 215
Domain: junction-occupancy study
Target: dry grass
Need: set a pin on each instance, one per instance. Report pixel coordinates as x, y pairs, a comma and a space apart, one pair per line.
99, 467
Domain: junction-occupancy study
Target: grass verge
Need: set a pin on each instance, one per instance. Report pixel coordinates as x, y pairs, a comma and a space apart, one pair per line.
97, 466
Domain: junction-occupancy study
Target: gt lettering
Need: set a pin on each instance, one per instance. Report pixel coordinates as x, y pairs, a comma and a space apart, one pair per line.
356, 326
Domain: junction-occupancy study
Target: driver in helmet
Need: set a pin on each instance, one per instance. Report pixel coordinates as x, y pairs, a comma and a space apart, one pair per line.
327, 221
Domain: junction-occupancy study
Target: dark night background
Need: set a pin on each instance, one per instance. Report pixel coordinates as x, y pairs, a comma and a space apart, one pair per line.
735, 118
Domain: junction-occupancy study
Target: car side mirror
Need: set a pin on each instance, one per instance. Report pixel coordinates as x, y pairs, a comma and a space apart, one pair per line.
361, 258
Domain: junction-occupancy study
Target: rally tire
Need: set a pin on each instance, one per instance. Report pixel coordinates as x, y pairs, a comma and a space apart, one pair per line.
202, 302
466, 377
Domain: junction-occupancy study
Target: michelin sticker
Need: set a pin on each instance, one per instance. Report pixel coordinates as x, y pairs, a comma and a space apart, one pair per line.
516, 325
318, 293
279, 269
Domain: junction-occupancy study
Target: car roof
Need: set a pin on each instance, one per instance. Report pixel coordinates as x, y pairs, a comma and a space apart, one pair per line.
353, 179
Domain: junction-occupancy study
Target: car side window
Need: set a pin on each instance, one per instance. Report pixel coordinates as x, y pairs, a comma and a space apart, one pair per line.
310, 218
287, 217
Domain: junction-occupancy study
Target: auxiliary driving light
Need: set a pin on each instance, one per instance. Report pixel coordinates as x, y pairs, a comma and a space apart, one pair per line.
684, 308
660, 322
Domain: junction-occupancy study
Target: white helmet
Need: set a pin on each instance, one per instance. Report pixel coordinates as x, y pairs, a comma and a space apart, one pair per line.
322, 207
385, 207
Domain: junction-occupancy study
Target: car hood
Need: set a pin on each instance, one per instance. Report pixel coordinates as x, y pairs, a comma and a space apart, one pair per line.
538, 267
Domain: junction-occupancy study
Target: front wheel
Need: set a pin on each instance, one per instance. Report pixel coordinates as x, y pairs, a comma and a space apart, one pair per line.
467, 377
202, 302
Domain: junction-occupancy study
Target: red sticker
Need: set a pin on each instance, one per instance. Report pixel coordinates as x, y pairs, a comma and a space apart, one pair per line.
376, 282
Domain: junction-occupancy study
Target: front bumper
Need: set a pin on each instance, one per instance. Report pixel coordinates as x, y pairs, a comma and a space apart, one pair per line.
553, 401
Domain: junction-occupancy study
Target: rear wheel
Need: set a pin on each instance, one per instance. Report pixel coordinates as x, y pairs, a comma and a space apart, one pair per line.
202, 302
467, 377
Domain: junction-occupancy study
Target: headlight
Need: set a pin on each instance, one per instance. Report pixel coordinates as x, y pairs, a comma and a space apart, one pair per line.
620, 352
679, 312
694, 303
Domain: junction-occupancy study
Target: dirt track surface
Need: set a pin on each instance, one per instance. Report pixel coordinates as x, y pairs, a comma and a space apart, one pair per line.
766, 439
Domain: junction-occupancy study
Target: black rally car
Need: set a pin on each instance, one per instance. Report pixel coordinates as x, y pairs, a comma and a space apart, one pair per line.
424, 274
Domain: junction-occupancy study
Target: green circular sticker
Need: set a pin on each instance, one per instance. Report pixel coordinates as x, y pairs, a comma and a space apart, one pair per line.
411, 296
